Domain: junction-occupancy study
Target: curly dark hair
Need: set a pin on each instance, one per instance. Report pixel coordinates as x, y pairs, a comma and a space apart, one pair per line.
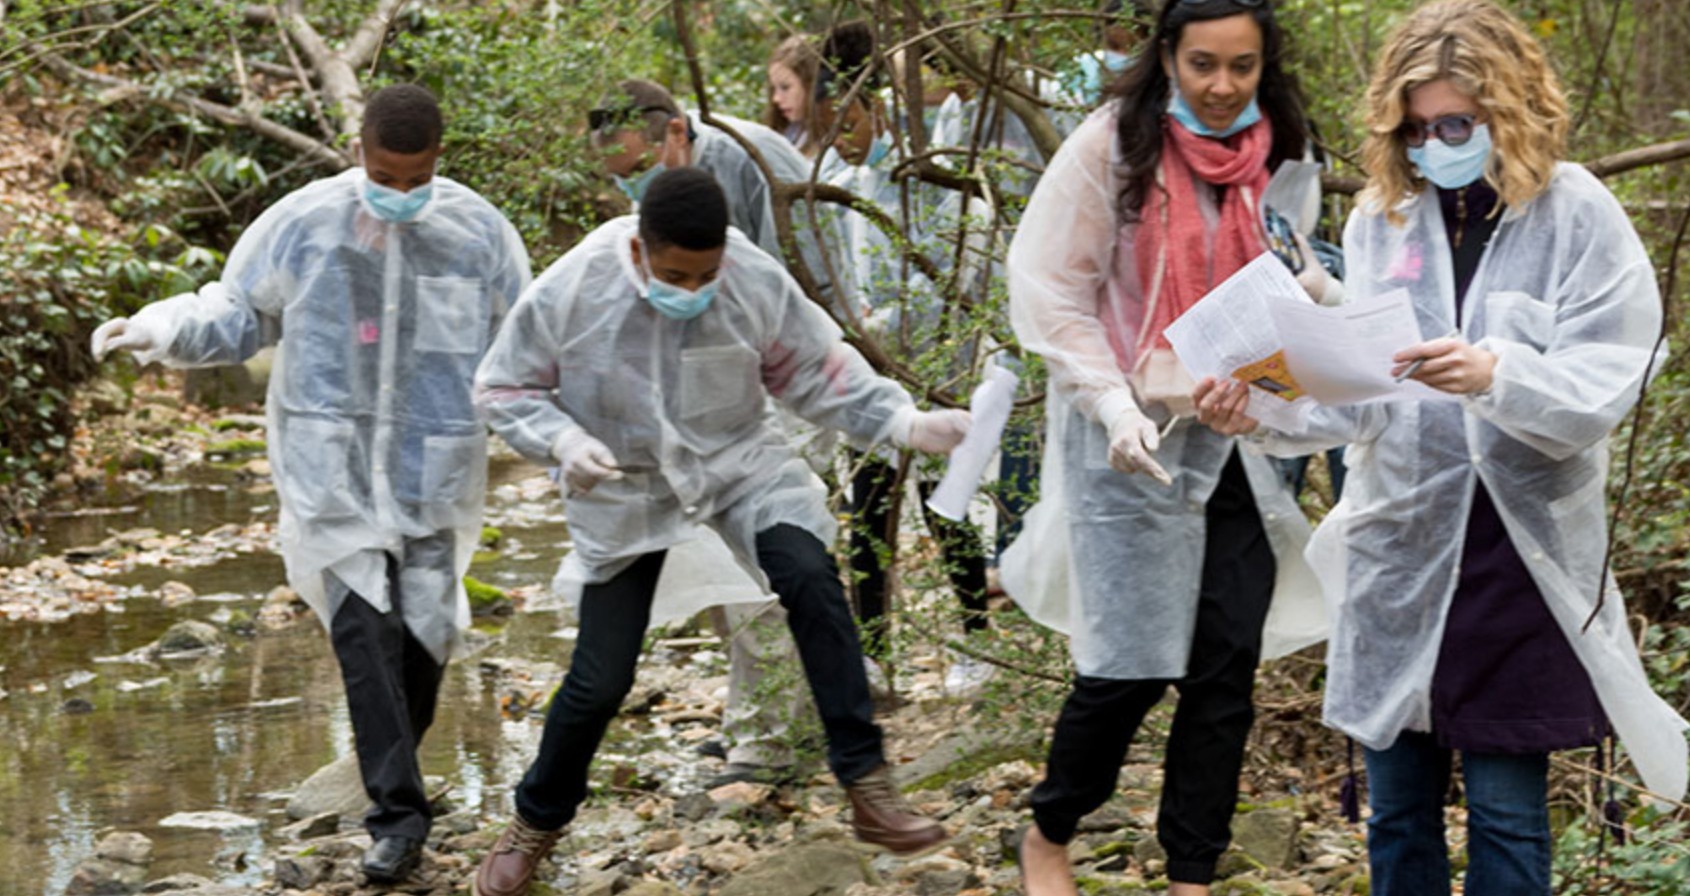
1143, 95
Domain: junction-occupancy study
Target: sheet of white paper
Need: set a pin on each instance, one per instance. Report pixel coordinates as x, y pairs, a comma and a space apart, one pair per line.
1343, 355
1337, 355
1232, 327
990, 405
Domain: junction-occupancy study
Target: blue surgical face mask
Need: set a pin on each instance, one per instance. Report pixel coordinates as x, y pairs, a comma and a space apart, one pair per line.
1452, 167
1116, 61
1185, 115
672, 301
878, 150
634, 187
396, 206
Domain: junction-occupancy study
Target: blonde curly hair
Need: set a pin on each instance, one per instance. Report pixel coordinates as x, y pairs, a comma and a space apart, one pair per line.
1487, 54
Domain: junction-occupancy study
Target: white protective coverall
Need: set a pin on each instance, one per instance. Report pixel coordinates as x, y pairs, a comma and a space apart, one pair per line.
680, 404
1116, 560
1566, 299
373, 434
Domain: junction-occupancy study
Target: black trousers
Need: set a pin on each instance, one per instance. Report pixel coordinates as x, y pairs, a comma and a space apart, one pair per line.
960, 543
1205, 750
392, 682
612, 630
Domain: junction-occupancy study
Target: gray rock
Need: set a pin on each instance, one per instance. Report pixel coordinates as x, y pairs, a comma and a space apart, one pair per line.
600, 882
945, 882
187, 637
128, 847
818, 869
1267, 835
337, 787
301, 872
1147, 850
652, 888
319, 825
104, 877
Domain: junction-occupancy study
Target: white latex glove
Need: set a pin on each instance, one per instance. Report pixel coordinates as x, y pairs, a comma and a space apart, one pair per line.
937, 432
585, 461
135, 334
1133, 441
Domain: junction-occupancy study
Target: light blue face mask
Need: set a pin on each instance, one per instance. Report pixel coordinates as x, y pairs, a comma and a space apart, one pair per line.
396, 206
1185, 115
878, 151
1117, 62
1453, 167
672, 301
634, 187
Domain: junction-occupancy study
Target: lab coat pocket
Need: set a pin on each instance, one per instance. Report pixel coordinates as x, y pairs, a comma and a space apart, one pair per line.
449, 315
316, 467
1518, 317
454, 471
720, 381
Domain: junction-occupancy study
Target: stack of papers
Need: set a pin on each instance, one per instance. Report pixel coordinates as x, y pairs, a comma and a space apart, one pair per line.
1260, 328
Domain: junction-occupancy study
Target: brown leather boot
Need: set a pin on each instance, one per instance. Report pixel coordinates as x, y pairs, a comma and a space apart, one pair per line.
882, 817
509, 867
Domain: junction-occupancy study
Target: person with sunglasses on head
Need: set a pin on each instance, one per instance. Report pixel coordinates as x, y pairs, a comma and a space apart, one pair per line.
385, 285
641, 362
1174, 542
1465, 562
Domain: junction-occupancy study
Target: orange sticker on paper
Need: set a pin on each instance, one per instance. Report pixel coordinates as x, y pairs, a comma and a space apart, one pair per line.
1271, 376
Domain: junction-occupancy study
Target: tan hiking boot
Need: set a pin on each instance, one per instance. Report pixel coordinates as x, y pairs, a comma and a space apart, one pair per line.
881, 816
509, 867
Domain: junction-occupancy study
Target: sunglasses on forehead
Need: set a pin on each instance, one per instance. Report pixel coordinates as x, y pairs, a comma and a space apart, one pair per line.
1451, 130
602, 119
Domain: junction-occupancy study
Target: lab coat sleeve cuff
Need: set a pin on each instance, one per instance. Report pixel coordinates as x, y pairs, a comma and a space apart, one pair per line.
1112, 404
898, 430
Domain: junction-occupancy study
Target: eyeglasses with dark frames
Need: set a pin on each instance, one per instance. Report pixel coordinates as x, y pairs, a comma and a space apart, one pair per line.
610, 119
1452, 130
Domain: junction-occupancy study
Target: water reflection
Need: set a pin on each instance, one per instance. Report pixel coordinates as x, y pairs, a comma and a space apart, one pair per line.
236, 732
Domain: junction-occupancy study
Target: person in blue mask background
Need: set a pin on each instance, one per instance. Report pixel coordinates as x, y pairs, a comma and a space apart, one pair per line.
1121, 29
388, 282
640, 363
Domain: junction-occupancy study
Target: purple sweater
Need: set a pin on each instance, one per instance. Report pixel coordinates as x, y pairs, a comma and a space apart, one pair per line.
1507, 681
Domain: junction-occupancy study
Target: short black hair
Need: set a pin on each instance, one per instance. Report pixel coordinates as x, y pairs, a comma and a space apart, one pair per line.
684, 207
403, 118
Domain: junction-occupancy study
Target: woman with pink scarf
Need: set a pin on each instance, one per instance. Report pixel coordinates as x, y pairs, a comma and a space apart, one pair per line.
1178, 543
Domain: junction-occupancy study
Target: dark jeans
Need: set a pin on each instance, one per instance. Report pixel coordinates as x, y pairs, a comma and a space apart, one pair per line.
613, 623
1205, 749
874, 535
391, 685
1508, 840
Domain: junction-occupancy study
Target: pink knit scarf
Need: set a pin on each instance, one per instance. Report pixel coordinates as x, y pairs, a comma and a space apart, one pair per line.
1173, 270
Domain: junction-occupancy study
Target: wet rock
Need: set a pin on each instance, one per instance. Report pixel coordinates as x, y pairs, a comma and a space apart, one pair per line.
177, 883
212, 820
1267, 835
119, 867
320, 825
190, 637
337, 787
301, 872
818, 869
174, 594
76, 706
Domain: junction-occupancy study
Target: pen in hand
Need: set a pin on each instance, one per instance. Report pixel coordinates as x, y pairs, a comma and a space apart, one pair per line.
1415, 365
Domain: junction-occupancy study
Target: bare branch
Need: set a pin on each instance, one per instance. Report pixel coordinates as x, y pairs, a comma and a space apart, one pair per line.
1641, 157
215, 111
367, 40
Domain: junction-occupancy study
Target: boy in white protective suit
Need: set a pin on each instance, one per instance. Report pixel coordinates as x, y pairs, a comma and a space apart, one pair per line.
643, 132
388, 282
641, 363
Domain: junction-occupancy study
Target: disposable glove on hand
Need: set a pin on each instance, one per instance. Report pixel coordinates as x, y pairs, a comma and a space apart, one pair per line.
586, 462
135, 334
937, 432
1133, 441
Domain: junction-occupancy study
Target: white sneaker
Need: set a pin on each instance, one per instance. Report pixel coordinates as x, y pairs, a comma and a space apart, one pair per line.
967, 675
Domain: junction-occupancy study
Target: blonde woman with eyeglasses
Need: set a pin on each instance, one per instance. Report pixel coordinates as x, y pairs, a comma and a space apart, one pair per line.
1466, 556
